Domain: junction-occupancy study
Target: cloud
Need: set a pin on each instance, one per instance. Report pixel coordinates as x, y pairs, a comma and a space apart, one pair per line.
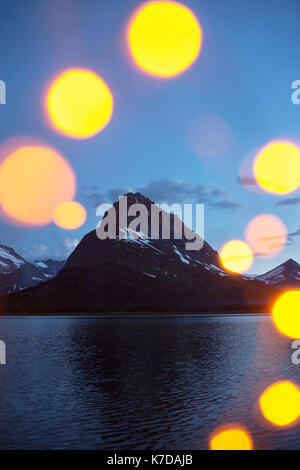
96, 198
232, 206
36, 251
288, 202
40, 251
247, 180
294, 234
291, 236
172, 192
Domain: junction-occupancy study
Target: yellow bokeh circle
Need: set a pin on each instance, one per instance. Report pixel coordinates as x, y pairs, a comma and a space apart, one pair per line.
164, 38
69, 215
276, 167
79, 103
236, 256
231, 439
286, 314
280, 403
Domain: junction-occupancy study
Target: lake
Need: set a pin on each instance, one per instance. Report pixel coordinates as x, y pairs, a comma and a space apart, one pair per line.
143, 382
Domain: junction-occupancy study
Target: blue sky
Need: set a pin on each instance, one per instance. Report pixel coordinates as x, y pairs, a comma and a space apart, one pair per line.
249, 59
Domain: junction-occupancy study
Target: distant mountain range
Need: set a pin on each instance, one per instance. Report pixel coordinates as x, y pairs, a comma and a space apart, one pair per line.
141, 275
285, 275
16, 273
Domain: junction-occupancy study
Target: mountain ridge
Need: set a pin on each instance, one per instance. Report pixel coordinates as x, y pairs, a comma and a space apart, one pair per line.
285, 275
16, 273
141, 275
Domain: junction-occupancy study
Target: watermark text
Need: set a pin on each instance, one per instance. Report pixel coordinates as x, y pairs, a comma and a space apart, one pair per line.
162, 221
2, 92
2, 353
296, 93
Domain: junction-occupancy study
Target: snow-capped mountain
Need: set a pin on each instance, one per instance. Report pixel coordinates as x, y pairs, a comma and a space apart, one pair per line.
285, 275
50, 267
138, 274
9, 260
16, 273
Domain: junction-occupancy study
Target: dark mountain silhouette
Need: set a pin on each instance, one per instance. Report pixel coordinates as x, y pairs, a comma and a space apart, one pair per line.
16, 273
283, 276
141, 275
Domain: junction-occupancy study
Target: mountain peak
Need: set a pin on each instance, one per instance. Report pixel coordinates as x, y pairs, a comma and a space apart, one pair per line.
284, 275
291, 263
16, 273
136, 198
126, 214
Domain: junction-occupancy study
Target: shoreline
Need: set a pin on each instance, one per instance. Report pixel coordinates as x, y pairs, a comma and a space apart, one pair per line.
135, 314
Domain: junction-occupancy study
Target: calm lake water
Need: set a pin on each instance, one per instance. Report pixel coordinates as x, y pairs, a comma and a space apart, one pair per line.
139, 382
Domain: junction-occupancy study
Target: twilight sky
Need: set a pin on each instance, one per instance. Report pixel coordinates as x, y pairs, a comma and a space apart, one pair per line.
242, 79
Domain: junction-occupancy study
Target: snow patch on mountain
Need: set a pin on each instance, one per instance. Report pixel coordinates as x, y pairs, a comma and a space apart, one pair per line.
183, 259
139, 238
270, 276
284, 274
17, 261
150, 275
16, 273
41, 264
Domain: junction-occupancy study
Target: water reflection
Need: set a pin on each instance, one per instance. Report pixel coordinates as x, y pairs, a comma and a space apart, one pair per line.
142, 383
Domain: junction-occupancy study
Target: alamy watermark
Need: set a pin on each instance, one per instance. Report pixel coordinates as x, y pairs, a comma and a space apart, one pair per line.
2, 353
296, 354
296, 93
162, 221
2, 92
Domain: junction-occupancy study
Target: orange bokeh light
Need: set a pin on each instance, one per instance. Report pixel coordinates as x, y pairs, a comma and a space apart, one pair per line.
266, 234
34, 180
69, 215
79, 103
280, 403
164, 38
232, 438
276, 167
286, 314
236, 256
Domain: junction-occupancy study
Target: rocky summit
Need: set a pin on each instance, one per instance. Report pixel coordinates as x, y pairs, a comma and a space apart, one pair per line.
134, 273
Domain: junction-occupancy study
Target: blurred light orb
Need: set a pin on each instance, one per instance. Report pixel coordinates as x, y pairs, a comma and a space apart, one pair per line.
286, 314
164, 38
69, 215
276, 167
236, 256
34, 180
266, 234
231, 439
79, 103
280, 403
209, 136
